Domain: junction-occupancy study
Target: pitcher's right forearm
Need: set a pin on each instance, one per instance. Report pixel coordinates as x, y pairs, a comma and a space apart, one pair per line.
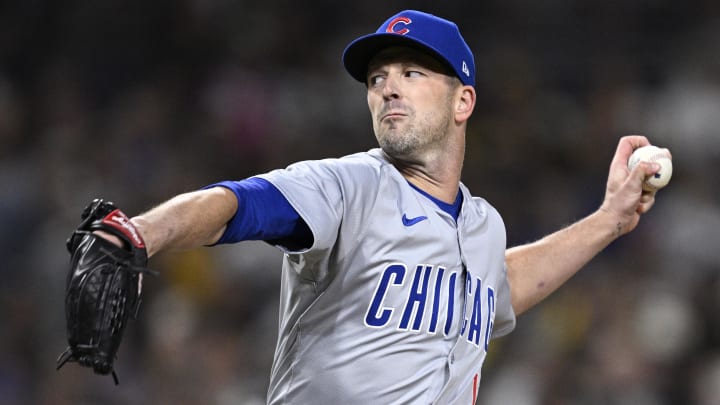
187, 221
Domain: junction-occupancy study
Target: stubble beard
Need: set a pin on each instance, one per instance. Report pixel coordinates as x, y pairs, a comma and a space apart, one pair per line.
409, 139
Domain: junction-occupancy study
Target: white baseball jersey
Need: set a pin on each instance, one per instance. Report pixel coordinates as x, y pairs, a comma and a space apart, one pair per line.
395, 302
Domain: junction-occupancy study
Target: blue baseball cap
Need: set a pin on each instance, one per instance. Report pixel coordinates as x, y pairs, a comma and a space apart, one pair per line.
436, 35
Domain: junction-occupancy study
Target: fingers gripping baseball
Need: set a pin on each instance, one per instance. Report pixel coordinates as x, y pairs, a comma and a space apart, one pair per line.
639, 175
627, 196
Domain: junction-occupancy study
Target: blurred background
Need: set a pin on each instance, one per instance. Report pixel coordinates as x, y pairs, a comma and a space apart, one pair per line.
136, 101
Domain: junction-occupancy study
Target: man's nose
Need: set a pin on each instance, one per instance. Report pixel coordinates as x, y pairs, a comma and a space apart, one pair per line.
391, 87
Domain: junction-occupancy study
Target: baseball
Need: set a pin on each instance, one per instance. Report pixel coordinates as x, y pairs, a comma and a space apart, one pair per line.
652, 153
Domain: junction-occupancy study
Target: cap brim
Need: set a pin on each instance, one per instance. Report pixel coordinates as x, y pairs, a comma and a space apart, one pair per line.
357, 55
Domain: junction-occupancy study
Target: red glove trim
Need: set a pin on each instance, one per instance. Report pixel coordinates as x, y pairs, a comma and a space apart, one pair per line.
118, 220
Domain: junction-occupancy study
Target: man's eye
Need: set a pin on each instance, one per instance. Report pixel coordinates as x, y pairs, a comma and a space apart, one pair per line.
375, 80
413, 73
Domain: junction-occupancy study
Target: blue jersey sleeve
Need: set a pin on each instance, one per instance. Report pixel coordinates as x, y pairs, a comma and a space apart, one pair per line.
264, 214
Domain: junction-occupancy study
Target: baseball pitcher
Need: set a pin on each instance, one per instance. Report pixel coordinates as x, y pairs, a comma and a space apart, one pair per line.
395, 277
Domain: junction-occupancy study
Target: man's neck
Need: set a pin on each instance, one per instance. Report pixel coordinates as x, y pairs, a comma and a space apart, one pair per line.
439, 177
444, 191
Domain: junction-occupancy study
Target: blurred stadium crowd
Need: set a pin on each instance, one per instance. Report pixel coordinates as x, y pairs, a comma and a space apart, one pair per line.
136, 101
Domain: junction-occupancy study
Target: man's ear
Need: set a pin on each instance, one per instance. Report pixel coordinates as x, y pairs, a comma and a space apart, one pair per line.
465, 103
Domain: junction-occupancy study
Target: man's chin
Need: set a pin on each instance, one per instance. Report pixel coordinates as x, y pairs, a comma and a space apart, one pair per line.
396, 153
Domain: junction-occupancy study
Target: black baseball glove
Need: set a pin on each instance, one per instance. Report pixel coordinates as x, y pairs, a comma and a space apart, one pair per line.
103, 286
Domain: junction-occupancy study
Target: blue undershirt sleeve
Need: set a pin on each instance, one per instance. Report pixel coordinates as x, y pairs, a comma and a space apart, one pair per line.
264, 214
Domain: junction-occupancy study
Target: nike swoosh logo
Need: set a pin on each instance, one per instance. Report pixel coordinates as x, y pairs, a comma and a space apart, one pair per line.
412, 221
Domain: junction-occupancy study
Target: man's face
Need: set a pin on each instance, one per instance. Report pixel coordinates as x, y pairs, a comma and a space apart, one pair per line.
411, 97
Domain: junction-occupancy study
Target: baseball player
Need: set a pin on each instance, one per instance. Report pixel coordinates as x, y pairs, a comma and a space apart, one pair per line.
395, 277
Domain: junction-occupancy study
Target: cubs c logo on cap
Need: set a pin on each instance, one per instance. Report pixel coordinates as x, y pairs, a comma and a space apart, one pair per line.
421, 30
402, 21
